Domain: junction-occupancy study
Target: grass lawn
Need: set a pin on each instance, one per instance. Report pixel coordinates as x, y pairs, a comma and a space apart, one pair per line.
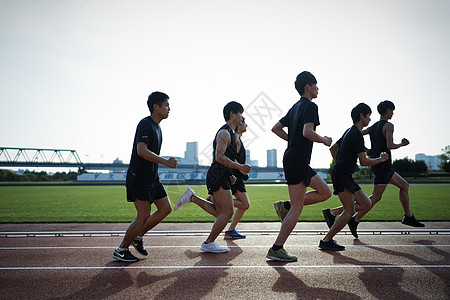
35, 204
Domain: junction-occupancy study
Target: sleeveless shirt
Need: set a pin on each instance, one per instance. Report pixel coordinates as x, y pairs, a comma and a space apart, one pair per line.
230, 152
378, 142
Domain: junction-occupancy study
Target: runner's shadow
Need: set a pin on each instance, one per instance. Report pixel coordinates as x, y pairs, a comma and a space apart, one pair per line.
381, 280
290, 283
439, 272
191, 282
105, 284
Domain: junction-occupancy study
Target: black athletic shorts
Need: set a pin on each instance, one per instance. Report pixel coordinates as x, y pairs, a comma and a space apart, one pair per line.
343, 179
218, 177
146, 193
298, 172
238, 186
383, 174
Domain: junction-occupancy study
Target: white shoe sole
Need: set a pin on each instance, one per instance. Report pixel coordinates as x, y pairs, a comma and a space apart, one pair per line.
217, 250
180, 200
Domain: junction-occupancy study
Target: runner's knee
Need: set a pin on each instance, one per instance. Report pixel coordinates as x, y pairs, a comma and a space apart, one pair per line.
326, 194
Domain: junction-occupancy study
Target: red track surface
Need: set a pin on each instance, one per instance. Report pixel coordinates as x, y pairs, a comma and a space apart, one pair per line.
373, 267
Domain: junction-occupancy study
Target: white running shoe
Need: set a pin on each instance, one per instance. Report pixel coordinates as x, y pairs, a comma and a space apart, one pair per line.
213, 248
185, 198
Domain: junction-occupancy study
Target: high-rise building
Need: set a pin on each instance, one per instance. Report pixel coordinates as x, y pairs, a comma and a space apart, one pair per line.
248, 160
272, 158
191, 153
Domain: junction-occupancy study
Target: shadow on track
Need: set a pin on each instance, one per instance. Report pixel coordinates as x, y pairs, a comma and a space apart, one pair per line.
290, 283
190, 283
105, 284
444, 260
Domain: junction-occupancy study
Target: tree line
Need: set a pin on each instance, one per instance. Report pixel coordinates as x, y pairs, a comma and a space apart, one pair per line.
7, 175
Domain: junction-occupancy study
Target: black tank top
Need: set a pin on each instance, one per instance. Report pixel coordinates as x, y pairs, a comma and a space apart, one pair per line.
241, 159
378, 141
230, 152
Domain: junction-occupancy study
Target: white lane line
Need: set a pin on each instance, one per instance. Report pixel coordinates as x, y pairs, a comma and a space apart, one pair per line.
226, 267
196, 246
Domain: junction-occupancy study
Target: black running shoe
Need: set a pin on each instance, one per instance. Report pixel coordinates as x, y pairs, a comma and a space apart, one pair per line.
411, 221
353, 225
330, 245
138, 244
329, 218
124, 255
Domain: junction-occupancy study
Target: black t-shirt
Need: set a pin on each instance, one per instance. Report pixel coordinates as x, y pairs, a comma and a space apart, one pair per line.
141, 172
350, 144
300, 148
378, 142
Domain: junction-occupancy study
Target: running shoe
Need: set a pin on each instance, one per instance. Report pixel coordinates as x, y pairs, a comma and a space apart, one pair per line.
330, 245
329, 218
280, 255
353, 225
138, 244
212, 248
411, 221
233, 234
124, 255
185, 198
280, 209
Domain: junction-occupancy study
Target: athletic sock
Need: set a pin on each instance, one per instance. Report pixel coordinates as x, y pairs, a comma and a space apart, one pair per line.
121, 249
138, 237
276, 247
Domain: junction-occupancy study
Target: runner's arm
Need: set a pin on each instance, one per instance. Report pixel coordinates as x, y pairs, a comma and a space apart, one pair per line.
388, 129
278, 130
334, 150
223, 141
143, 152
310, 134
367, 162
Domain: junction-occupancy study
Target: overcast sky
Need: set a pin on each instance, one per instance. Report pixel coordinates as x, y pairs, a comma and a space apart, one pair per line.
76, 74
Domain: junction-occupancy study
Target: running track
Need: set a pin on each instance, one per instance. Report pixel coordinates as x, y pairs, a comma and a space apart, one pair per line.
376, 266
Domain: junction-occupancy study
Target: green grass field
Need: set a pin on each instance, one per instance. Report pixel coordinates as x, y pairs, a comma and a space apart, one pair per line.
35, 204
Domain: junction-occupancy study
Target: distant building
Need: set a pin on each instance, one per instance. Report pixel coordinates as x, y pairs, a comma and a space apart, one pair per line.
191, 153
433, 162
117, 161
272, 158
248, 160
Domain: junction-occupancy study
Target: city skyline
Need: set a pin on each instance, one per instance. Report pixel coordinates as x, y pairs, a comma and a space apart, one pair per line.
20, 155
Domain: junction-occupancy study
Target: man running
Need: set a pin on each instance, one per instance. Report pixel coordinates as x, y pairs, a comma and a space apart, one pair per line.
142, 182
218, 178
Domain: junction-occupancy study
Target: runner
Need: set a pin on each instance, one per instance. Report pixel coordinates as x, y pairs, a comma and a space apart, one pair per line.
301, 121
345, 152
142, 182
219, 177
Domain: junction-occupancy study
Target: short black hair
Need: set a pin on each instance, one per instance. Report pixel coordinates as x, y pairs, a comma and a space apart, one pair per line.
303, 79
359, 109
156, 98
384, 105
232, 106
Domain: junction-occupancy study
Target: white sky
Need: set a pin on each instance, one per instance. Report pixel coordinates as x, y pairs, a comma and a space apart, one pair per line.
76, 74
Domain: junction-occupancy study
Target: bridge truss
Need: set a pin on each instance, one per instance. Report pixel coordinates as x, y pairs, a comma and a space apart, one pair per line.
39, 157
